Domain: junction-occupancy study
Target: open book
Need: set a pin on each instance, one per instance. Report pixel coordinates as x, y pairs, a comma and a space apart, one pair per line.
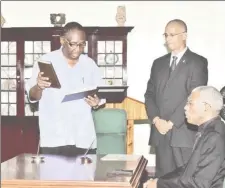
103, 92
81, 94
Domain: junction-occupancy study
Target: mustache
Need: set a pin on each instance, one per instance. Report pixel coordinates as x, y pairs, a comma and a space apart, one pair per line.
75, 51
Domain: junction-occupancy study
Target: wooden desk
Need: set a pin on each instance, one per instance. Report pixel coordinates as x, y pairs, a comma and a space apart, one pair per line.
63, 171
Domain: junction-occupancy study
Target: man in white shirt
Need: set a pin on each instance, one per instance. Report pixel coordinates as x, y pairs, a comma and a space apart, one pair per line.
173, 76
68, 127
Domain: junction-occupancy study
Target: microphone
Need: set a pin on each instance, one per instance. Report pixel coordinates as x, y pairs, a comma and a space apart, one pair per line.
84, 158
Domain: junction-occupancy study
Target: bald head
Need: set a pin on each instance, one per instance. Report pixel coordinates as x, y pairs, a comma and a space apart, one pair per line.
180, 23
176, 35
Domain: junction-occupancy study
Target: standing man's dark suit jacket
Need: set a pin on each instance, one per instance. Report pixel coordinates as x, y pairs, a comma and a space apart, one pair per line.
206, 166
166, 96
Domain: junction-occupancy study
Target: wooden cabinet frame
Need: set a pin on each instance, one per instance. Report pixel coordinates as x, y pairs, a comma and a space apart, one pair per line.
27, 138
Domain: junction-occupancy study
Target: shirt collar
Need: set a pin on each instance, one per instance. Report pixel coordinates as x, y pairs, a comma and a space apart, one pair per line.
180, 54
203, 126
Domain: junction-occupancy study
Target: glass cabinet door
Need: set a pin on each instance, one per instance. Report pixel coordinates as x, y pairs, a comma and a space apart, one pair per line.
110, 61
33, 50
9, 78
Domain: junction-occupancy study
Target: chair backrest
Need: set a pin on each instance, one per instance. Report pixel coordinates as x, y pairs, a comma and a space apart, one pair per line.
111, 129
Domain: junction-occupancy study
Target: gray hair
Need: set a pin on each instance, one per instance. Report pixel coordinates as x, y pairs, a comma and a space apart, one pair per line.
211, 96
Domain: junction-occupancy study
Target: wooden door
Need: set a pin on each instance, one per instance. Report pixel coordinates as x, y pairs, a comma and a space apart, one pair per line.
21, 47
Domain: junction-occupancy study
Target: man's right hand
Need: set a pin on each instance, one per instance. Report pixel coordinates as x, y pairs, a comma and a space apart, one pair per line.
42, 82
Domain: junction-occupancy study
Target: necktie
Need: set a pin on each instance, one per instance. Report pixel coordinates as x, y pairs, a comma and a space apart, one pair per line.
197, 137
173, 64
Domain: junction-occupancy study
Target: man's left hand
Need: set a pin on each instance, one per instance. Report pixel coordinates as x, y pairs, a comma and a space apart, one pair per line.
92, 101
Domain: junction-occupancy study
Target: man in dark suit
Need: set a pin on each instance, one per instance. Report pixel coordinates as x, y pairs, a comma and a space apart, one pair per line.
173, 76
206, 166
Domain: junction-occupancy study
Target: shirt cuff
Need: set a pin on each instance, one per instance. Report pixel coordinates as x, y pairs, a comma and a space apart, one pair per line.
102, 101
27, 88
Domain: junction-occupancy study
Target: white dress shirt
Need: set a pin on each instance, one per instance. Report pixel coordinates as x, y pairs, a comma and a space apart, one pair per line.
68, 123
179, 56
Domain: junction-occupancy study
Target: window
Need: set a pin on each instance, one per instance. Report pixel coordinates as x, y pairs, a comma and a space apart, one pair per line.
8, 78
33, 51
110, 61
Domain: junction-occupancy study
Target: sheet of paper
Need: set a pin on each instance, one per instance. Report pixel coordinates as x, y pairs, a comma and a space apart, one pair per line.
82, 90
120, 157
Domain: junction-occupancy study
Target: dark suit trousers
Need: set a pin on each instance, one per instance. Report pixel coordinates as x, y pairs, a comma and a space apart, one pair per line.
164, 157
169, 158
181, 155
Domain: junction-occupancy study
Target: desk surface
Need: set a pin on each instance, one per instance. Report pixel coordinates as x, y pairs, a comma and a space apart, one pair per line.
69, 169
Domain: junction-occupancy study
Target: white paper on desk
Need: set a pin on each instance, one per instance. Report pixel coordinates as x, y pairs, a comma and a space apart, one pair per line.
120, 157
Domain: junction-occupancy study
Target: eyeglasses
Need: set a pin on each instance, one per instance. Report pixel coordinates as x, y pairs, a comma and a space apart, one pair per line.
191, 103
75, 45
172, 35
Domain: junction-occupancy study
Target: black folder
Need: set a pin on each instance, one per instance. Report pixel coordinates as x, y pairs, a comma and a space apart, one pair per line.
47, 68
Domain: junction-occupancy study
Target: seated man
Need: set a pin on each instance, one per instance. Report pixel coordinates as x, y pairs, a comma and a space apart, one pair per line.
205, 167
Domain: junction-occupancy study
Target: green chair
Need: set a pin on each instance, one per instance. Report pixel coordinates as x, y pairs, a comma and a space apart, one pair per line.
111, 130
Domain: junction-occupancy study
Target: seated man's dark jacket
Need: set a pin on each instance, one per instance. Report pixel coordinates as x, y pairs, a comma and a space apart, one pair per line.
205, 168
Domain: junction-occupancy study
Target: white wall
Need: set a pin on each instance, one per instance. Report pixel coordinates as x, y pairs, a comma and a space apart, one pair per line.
141, 138
205, 20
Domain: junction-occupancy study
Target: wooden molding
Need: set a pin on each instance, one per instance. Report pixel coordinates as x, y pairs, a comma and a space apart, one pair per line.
2, 21
134, 108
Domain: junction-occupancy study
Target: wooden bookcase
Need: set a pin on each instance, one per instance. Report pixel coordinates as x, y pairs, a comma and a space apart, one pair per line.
20, 48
